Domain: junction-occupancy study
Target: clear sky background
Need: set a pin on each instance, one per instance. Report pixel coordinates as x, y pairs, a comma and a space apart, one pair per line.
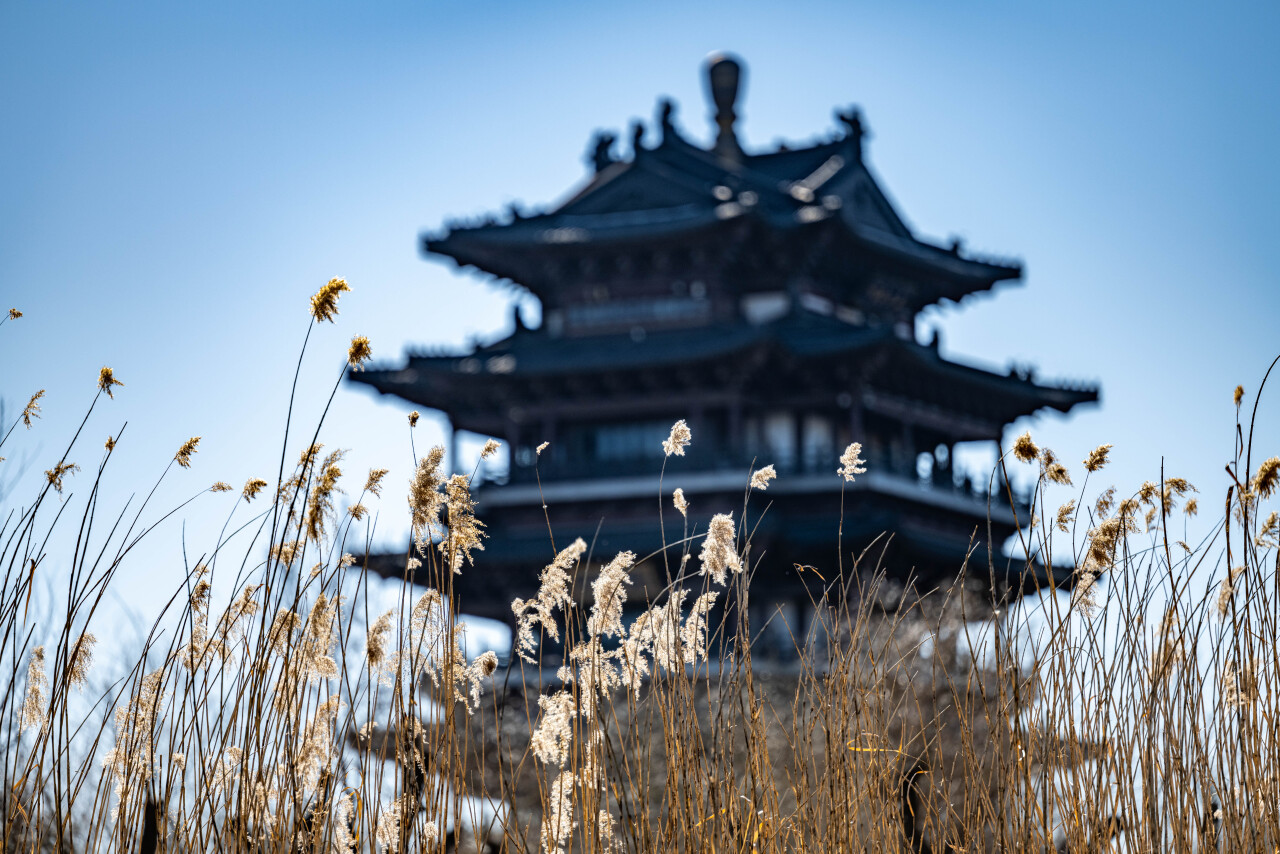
177, 180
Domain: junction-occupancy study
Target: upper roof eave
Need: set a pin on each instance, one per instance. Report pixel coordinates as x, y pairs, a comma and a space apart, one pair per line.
497, 249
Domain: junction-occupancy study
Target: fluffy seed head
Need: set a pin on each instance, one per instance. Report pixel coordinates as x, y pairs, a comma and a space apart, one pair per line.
430, 834
490, 448
1238, 395
609, 592
413, 418
1097, 458
719, 552
464, 533
1085, 595
183, 457
1264, 482
1269, 534
1057, 473
58, 472
324, 305
252, 487
850, 462
677, 498
678, 440
320, 502
1065, 512
343, 842
553, 592
761, 477
287, 552
32, 409
693, 637
37, 683
1106, 538
374, 482
14, 314
1024, 449
359, 352
551, 740
221, 486
79, 660
107, 379
376, 643
425, 499
543, 447
1227, 590
558, 822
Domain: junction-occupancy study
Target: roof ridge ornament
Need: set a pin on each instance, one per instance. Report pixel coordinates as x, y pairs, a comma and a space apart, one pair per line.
666, 109
724, 76
855, 130
602, 149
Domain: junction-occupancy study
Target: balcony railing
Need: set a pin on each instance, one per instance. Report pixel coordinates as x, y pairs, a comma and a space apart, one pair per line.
551, 470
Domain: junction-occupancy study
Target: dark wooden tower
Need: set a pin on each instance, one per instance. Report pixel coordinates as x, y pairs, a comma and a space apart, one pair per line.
767, 298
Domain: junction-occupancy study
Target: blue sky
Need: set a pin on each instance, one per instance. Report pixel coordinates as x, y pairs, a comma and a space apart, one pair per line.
178, 179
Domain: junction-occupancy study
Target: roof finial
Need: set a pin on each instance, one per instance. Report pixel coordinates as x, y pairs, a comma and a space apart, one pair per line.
637, 138
724, 74
855, 130
602, 149
667, 108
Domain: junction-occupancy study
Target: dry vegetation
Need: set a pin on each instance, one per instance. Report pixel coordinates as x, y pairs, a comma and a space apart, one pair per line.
1136, 712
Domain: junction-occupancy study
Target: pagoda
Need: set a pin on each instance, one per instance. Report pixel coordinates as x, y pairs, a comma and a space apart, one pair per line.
769, 298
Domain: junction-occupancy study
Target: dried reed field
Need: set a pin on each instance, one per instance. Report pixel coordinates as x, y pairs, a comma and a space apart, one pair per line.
1135, 714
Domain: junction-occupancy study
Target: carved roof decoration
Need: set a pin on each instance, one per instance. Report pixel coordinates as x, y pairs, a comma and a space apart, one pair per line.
679, 192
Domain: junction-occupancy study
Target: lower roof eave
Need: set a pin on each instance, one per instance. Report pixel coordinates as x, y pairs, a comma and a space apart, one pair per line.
642, 486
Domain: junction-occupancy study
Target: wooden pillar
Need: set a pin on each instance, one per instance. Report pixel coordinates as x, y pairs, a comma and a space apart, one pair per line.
736, 441
857, 423
797, 432
697, 423
513, 445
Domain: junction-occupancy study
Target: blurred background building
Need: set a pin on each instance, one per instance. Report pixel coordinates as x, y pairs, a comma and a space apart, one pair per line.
770, 299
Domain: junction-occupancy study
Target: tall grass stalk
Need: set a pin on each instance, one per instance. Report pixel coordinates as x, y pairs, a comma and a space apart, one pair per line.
267, 709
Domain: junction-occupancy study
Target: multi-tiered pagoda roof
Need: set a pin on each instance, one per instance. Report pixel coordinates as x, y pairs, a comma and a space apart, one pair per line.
822, 197
768, 297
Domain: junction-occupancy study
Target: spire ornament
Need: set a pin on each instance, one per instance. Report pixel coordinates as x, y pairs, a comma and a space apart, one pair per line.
724, 78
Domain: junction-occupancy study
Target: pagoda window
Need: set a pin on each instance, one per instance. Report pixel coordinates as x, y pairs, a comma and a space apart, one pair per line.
779, 434
763, 307
661, 311
751, 435
817, 304
924, 466
849, 315
942, 458
818, 441
630, 441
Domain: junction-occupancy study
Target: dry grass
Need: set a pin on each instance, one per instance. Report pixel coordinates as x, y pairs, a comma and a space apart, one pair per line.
1136, 712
